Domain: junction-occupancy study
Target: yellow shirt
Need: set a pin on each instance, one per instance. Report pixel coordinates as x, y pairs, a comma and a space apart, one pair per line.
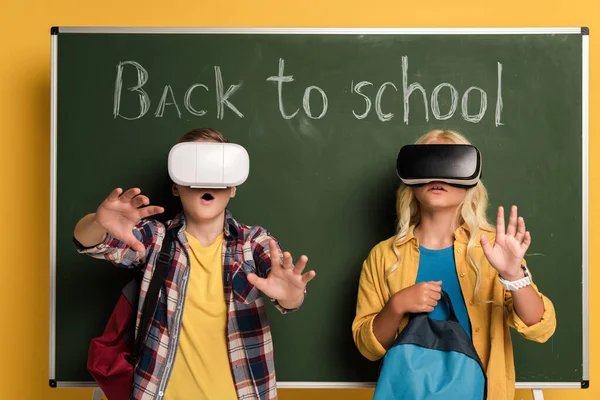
490, 324
201, 370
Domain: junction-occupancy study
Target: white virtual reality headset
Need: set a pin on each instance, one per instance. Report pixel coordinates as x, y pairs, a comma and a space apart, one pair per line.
208, 165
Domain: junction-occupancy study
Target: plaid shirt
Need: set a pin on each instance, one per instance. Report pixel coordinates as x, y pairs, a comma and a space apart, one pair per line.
250, 347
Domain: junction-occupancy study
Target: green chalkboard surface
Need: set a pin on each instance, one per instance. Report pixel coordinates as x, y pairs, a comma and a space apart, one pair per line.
322, 114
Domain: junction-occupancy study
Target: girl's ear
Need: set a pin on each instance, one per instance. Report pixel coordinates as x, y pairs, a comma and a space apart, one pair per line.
233, 191
175, 190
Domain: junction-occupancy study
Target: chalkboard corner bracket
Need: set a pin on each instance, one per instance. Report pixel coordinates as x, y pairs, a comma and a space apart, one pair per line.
585, 384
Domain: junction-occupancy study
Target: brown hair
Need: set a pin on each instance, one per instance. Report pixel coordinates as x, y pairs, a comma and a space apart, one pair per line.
203, 134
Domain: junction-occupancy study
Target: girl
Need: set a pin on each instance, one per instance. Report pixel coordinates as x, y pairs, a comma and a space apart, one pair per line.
444, 241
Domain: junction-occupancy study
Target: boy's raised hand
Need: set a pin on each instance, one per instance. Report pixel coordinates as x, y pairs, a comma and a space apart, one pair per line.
119, 213
285, 282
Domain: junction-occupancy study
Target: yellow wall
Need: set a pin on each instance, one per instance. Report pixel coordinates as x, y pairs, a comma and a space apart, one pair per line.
24, 126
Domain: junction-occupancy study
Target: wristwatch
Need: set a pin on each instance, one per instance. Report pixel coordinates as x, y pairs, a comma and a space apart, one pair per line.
518, 284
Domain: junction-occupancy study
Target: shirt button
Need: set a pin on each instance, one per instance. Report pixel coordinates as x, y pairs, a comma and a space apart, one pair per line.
160, 394
459, 250
476, 329
462, 274
471, 303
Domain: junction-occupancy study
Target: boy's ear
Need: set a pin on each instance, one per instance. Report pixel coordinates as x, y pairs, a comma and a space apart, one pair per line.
175, 190
233, 190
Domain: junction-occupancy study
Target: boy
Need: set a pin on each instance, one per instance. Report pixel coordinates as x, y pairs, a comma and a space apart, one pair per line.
209, 337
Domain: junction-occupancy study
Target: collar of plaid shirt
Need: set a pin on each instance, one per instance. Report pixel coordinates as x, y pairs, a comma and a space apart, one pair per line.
231, 227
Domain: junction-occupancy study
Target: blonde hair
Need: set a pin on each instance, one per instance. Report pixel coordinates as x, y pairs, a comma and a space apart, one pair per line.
472, 211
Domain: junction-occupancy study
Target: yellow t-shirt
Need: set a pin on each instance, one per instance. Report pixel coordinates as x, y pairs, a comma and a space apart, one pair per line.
201, 369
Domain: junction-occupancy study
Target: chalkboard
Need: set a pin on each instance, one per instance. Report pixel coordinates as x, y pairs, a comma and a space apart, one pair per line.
322, 114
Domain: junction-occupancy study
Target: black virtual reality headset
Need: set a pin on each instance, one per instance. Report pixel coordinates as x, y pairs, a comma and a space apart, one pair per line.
455, 164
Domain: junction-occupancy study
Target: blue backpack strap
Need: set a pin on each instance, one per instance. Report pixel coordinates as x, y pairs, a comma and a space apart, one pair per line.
451, 313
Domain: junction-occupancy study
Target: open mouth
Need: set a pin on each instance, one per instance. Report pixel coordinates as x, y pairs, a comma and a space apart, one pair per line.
437, 187
208, 197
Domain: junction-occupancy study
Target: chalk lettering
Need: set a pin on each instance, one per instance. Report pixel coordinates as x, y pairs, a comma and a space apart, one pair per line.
383, 117
435, 105
357, 88
187, 100
142, 78
409, 89
163, 102
499, 104
306, 102
280, 79
222, 99
482, 107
